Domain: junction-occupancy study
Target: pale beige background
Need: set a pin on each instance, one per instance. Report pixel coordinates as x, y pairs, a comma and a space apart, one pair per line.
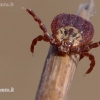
20, 70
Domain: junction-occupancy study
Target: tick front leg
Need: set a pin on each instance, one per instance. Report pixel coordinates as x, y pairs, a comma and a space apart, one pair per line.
42, 26
94, 45
34, 42
36, 18
90, 46
92, 59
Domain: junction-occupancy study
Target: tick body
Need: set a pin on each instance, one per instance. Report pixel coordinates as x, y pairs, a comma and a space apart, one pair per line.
71, 34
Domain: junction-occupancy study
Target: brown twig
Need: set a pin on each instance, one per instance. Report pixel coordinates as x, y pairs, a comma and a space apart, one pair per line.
58, 70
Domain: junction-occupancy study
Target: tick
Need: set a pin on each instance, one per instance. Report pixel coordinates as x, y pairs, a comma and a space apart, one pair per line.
71, 34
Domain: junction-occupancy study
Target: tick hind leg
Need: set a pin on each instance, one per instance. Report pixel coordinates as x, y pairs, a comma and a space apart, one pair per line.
92, 59
34, 42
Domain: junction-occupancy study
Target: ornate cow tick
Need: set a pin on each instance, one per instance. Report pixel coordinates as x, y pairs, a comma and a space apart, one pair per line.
71, 34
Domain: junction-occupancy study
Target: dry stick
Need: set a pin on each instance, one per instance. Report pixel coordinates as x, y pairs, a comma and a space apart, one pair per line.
58, 70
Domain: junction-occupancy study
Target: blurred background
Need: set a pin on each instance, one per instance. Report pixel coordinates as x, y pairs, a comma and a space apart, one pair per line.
22, 71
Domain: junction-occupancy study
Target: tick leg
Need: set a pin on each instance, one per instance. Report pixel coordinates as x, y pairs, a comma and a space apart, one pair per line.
94, 45
90, 46
34, 42
36, 18
42, 26
92, 59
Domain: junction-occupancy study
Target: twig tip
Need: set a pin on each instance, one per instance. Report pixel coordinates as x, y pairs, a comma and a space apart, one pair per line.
24, 8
